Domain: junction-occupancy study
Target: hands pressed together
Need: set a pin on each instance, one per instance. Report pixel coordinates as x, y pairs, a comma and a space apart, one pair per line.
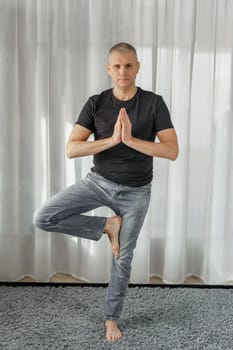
123, 128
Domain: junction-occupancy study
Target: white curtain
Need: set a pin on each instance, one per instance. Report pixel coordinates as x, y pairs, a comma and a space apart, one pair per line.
52, 58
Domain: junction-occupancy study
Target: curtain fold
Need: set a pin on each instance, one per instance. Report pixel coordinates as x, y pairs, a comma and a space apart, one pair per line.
53, 55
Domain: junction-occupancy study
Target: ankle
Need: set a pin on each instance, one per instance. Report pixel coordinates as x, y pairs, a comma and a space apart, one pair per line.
111, 322
106, 226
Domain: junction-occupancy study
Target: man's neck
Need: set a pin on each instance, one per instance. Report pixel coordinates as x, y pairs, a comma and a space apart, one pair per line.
124, 95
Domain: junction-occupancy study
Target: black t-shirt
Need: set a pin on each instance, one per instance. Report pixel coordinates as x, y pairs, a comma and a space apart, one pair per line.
148, 114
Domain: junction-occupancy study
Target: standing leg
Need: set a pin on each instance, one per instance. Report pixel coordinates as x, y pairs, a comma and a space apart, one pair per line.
133, 204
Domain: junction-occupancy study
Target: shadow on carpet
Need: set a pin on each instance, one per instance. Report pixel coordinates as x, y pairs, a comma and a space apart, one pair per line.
154, 318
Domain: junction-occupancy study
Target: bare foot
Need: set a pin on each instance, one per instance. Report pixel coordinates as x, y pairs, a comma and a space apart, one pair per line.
112, 228
113, 333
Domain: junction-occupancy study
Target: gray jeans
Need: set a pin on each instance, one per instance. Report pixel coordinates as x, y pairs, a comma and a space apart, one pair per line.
64, 213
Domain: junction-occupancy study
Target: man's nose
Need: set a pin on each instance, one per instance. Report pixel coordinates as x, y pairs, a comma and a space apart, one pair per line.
122, 70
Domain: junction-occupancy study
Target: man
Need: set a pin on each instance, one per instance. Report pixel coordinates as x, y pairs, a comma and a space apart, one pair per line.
125, 121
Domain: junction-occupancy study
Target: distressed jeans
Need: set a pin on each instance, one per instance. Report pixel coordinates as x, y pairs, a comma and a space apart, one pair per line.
65, 213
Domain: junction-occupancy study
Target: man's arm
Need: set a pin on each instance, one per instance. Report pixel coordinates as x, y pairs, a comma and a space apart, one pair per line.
79, 146
167, 147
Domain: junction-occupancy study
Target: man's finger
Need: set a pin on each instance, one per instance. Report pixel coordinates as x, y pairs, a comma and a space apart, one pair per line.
124, 112
125, 118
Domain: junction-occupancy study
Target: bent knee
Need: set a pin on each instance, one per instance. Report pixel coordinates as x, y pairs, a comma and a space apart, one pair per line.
40, 219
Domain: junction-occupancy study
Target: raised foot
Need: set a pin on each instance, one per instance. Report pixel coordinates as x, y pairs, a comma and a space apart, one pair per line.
113, 333
112, 228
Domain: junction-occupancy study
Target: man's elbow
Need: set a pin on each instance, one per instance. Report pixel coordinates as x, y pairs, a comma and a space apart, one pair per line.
174, 153
69, 152
173, 157
69, 155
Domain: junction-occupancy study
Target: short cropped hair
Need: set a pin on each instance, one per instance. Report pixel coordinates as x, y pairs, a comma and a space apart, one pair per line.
123, 48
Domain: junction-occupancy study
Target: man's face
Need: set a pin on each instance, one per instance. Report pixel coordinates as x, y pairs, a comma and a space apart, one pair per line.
123, 69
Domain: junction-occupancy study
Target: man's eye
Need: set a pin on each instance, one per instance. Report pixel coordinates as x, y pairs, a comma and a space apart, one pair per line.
128, 65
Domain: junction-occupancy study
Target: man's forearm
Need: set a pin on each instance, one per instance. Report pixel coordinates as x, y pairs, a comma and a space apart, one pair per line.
167, 150
85, 148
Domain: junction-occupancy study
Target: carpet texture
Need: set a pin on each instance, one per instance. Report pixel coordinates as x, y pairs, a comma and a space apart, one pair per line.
70, 317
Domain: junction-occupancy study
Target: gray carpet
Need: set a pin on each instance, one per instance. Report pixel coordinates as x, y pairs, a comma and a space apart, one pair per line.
70, 317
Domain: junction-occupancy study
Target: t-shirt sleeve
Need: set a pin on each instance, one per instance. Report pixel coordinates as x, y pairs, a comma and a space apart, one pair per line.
86, 116
162, 116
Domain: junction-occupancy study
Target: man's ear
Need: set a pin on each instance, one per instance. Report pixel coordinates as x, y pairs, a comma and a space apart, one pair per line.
138, 66
108, 68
